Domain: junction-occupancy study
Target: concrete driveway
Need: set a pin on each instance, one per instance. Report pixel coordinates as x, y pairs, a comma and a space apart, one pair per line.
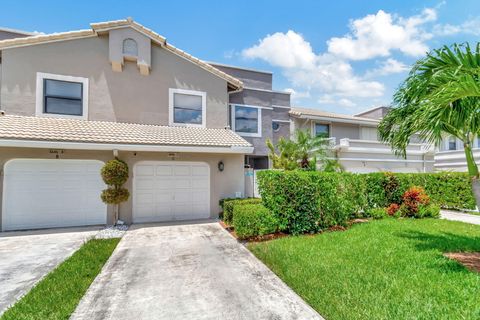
26, 257
195, 271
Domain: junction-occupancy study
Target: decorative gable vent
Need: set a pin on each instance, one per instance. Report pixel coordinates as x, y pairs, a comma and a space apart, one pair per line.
130, 48
127, 44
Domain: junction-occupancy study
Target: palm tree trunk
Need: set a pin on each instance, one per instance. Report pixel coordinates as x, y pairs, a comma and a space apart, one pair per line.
471, 164
473, 172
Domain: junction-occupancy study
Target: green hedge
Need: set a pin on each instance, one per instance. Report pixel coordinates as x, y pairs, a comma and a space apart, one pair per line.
446, 190
230, 204
251, 220
306, 201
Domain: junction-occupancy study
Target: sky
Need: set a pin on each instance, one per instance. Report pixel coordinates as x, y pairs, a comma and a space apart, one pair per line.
341, 56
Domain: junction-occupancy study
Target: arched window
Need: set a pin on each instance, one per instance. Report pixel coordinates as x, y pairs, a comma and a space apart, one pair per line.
130, 47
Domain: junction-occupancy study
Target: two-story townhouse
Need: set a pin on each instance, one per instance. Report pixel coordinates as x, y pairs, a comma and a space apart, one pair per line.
257, 112
72, 101
356, 143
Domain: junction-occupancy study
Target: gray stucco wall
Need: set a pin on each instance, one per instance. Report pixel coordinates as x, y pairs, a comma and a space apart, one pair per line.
125, 96
250, 78
337, 129
265, 99
222, 184
10, 35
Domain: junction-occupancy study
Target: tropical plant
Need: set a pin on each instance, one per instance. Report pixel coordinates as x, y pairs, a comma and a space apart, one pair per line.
441, 96
302, 152
115, 173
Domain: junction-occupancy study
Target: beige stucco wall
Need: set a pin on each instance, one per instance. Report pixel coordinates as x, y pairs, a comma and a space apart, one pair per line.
337, 129
222, 184
125, 96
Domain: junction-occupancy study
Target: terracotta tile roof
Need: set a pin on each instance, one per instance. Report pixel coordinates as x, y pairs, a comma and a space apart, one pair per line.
72, 130
105, 26
324, 114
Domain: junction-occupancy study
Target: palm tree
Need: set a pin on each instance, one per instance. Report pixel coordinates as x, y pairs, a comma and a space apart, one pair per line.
441, 96
301, 152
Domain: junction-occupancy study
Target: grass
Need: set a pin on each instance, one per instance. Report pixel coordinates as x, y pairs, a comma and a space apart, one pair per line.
387, 269
56, 296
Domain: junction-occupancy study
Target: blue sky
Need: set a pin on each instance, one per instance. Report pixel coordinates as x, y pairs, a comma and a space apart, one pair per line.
342, 56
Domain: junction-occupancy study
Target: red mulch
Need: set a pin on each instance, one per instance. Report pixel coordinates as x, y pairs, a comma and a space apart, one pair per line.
471, 260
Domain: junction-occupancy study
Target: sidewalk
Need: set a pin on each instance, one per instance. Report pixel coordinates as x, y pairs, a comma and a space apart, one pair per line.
460, 216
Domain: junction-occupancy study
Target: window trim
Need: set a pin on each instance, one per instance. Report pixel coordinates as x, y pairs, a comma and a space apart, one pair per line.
314, 123
454, 141
258, 134
171, 107
40, 95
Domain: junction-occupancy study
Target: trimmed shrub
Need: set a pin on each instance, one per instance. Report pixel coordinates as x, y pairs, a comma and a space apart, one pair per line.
251, 220
230, 204
377, 213
306, 201
115, 196
115, 172
446, 189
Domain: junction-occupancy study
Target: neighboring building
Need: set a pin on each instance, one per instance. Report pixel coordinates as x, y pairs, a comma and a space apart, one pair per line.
74, 100
450, 155
7, 33
376, 113
356, 144
257, 112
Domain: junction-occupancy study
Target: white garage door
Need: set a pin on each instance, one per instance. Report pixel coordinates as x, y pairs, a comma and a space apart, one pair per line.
52, 193
171, 190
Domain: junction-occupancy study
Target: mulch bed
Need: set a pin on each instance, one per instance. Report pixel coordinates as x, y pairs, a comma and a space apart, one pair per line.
471, 260
278, 235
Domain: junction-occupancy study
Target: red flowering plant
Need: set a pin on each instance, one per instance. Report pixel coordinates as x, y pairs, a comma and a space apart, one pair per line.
392, 209
413, 199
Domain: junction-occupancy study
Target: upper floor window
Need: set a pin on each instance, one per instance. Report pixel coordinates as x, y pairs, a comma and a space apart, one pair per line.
321, 129
452, 143
187, 107
62, 96
247, 120
130, 47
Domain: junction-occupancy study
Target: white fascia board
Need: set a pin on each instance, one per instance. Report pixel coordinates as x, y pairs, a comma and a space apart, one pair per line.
122, 147
384, 160
332, 119
376, 150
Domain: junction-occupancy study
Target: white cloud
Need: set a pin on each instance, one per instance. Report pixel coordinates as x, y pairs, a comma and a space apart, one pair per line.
376, 35
471, 26
346, 103
286, 50
387, 67
297, 95
307, 70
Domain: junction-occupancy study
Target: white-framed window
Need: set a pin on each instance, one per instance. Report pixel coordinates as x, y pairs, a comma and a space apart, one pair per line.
187, 108
247, 120
61, 96
321, 129
452, 143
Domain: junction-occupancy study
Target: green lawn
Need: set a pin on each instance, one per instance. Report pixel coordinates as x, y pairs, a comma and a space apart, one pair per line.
388, 269
57, 295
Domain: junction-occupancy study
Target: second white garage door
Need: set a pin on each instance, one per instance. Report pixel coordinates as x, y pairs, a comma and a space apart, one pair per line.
171, 190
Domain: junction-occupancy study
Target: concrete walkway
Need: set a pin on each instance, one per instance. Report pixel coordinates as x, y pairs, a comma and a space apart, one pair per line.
27, 256
460, 216
195, 271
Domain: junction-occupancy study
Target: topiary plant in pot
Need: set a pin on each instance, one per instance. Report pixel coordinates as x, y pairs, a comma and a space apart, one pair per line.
115, 173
